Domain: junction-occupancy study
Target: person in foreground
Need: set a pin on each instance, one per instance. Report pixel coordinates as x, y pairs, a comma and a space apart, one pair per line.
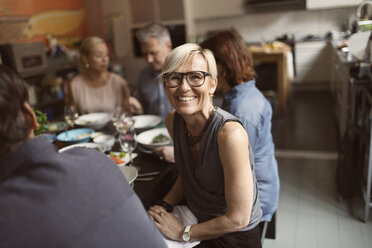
155, 44
78, 198
213, 159
96, 89
236, 81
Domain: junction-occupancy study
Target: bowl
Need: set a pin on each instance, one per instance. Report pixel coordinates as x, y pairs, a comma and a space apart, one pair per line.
89, 145
107, 140
56, 127
146, 121
79, 135
150, 139
93, 120
50, 136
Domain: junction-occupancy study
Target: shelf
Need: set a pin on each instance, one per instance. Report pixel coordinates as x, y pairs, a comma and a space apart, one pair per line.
49, 70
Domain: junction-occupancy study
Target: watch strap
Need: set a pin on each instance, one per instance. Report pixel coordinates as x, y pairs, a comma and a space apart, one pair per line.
166, 205
186, 234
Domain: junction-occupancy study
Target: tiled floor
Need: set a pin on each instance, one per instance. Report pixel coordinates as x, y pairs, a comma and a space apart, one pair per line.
310, 211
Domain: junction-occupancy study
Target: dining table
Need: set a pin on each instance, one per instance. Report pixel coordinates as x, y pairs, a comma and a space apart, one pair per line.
153, 187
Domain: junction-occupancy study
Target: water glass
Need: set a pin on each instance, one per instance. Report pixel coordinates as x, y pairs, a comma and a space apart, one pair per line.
128, 142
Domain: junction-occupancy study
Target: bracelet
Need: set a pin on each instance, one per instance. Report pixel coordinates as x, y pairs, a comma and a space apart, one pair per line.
166, 205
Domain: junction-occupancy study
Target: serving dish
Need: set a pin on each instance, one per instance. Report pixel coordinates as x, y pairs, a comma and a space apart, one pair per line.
93, 120
74, 136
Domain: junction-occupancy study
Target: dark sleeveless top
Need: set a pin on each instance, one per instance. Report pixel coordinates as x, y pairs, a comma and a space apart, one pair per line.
203, 184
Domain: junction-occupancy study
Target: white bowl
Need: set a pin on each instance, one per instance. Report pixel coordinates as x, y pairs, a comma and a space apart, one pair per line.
146, 121
93, 120
146, 138
107, 140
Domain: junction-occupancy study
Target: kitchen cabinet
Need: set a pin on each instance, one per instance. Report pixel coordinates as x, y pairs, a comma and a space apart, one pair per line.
321, 4
279, 57
313, 59
162, 11
217, 8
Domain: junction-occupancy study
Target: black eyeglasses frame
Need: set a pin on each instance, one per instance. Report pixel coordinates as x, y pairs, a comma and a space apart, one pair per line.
205, 74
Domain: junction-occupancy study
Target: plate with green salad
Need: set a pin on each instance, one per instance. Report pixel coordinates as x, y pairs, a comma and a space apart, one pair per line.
154, 138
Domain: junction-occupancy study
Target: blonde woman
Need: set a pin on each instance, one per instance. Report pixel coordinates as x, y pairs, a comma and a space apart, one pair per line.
212, 156
96, 89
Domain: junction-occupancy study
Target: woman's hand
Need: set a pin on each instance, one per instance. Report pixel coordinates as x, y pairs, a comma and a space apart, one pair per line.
165, 153
167, 223
135, 106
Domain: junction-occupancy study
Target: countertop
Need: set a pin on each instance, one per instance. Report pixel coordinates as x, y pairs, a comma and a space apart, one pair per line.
345, 58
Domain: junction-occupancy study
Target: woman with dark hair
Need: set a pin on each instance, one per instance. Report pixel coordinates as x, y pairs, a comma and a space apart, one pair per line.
236, 80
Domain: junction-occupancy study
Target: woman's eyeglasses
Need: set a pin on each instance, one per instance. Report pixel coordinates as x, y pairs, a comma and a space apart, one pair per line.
193, 78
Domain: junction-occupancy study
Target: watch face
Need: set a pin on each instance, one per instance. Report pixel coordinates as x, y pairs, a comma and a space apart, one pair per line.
186, 237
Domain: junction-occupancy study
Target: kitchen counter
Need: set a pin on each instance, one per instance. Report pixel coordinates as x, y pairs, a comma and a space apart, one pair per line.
345, 58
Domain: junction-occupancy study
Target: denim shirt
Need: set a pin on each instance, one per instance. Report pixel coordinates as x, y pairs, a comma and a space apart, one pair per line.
249, 105
150, 93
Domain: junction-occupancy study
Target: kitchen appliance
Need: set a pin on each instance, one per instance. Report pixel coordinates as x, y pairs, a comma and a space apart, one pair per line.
24, 57
358, 44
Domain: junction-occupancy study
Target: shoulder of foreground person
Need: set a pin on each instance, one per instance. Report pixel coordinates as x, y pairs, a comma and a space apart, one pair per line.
78, 199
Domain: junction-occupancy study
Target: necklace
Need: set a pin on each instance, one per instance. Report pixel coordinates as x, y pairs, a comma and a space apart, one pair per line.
192, 140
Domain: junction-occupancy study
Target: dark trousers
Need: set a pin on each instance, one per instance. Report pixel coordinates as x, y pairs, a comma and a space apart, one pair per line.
247, 239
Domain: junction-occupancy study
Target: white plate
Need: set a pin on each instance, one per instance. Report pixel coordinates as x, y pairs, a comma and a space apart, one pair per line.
145, 138
93, 120
146, 121
129, 172
126, 159
90, 145
145, 150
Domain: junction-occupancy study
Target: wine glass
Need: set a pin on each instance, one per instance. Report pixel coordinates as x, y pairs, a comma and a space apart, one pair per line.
128, 142
116, 115
70, 115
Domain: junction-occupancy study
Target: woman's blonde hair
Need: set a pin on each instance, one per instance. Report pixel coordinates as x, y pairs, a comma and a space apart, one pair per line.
179, 55
85, 50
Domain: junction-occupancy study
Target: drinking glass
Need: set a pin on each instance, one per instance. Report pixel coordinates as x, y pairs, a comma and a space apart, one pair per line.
70, 115
116, 115
128, 142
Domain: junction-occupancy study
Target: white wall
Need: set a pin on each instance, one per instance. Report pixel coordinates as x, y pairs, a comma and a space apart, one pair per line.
256, 27
253, 27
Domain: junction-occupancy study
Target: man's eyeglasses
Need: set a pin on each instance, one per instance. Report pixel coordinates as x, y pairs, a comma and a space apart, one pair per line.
193, 78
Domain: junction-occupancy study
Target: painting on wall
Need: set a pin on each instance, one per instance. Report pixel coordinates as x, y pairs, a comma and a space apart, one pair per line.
39, 20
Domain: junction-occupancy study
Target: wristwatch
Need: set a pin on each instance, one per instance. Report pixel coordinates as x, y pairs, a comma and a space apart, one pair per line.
186, 234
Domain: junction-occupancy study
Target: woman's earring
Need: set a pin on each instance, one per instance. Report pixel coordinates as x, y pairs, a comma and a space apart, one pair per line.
87, 65
211, 97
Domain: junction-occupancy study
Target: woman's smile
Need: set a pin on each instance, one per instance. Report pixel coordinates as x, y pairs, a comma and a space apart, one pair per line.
186, 98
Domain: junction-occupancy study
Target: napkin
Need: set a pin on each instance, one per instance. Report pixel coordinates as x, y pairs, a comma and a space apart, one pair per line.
186, 217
